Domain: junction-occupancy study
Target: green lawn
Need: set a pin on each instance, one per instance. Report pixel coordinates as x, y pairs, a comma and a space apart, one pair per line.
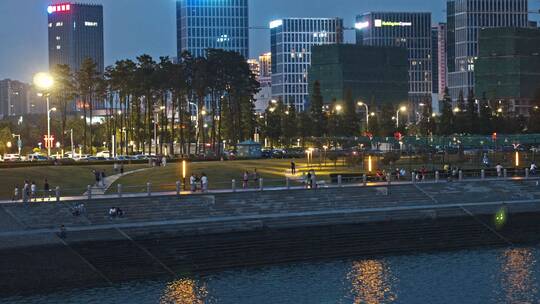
220, 174
71, 179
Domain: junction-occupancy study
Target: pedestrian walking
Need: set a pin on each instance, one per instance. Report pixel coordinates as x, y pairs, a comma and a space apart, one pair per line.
533, 168
204, 183
33, 190
313, 180
293, 167
193, 182
115, 167
46, 190
122, 169
15, 194
26, 191
245, 180
308, 180
499, 169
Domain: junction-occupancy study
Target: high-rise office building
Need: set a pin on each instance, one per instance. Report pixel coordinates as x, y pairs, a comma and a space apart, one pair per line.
13, 98
465, 19
76, 33
507, 71
411, 30
264, 76
217, 24
291, 41
435, 60
442, 66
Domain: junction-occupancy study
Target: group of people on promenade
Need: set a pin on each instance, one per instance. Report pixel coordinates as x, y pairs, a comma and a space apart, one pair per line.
99, 177
29, 192
247, 176
198, 182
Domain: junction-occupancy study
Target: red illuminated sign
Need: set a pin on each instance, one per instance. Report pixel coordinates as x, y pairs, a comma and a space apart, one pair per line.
66, 7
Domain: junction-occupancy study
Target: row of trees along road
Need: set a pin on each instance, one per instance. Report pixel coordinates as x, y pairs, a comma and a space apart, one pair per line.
282, 125
136, 93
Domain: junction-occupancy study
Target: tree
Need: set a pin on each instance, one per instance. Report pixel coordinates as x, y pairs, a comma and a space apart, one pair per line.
471, 116
316, 111
485, 116
289, 126
350, 116
447, 119
460, 116
63, 95
87, 82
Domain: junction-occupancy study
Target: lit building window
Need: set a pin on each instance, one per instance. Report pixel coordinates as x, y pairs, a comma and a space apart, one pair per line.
58, 47
57, 37
58, 24
50, 24
90, 23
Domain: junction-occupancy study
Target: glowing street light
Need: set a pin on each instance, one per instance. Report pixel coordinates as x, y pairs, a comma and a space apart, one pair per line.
361, 104
45, 82
402, 109
339, 108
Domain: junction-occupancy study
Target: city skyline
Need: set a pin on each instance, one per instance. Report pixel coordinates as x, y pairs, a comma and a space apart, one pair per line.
134, 34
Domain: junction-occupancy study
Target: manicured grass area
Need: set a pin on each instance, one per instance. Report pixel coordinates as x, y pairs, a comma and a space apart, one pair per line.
220, 174
71, 179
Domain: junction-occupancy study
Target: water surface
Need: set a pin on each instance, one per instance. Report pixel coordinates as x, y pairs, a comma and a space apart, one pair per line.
504, 275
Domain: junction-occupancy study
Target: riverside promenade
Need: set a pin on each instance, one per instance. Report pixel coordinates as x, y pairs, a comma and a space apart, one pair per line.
173, 235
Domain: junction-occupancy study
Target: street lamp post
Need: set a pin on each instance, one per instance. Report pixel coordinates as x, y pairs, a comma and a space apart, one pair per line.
45, 82
402, 109
367, 114
49, 126
19, 142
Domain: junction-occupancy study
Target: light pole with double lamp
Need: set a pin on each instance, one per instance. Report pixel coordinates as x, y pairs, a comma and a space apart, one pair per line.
45, 82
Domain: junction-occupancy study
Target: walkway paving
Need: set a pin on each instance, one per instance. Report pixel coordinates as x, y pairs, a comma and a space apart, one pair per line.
109, 181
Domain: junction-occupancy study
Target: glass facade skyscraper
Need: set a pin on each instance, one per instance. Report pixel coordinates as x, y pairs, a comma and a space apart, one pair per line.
75, 33
410, 30
291, 41
465, 19
218, 24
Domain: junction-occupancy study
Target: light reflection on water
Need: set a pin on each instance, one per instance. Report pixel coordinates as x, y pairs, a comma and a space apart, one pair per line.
371, 282
505, 275
518, 276
184, 291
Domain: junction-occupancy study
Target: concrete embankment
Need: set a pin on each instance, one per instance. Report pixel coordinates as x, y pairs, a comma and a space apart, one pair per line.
171, 236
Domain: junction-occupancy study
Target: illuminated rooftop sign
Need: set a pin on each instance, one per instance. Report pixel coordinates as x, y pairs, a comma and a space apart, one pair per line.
381, 23
276, 23
361, 25
66, 7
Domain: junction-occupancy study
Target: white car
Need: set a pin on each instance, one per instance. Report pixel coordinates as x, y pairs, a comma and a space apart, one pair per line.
105, 154
12, 157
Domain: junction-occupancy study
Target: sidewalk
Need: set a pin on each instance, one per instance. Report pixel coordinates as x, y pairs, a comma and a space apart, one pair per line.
109, 180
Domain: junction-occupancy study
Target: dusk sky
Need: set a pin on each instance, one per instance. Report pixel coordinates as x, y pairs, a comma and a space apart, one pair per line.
134, 27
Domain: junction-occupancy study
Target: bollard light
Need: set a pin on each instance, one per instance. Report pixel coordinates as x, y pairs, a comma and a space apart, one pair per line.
517, 159
370, 164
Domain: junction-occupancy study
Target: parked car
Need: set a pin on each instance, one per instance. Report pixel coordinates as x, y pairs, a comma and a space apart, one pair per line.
105, 154
36, 158
12, 157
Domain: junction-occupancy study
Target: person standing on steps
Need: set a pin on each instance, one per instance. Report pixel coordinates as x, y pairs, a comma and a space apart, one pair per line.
245, 180
33, 191
499, 169
293, 167
204, 183
26, 191
15, 194
193, 182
